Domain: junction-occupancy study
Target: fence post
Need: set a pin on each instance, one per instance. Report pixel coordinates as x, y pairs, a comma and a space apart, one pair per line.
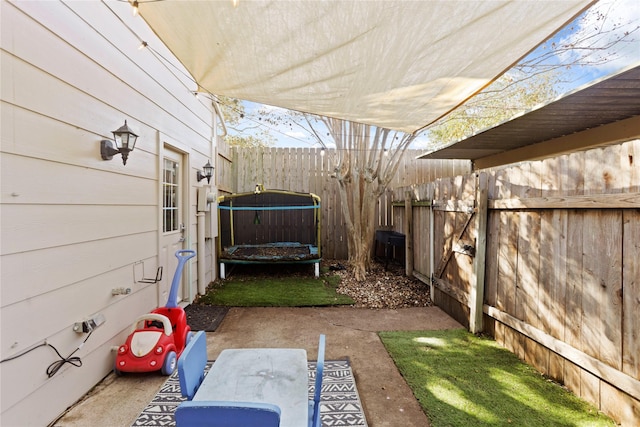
476, 300
408, 234
432, 262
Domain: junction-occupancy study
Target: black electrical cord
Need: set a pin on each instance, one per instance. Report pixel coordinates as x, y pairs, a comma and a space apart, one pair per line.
75, 360
55, 366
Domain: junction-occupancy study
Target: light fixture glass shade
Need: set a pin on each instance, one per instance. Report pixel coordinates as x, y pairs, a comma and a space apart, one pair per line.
125, 141
125, 138
208, 170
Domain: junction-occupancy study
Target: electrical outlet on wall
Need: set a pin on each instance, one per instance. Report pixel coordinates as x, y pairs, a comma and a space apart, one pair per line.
89, 324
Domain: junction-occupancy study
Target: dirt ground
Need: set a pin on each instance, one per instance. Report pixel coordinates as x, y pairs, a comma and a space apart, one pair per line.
385, 286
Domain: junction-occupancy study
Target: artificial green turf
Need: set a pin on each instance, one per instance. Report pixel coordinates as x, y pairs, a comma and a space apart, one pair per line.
273, 291
464, 380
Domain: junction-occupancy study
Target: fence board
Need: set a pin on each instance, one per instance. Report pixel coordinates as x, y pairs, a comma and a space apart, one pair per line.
528, 267
612, 173
509, 260
492, 260
421, 241
631, 158
548, 246
223, 164
601, 281
553, 269
631, 292
573, 308
572, 175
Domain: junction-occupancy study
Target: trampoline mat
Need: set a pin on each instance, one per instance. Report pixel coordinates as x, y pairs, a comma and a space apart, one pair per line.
271, 252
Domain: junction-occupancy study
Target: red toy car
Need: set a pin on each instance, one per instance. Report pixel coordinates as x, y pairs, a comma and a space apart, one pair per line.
157, 338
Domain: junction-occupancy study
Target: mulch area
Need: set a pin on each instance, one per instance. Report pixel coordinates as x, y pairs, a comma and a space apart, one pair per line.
385, 286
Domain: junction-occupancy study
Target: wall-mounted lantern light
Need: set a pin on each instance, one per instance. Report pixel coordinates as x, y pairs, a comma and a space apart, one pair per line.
207, 172
124, 141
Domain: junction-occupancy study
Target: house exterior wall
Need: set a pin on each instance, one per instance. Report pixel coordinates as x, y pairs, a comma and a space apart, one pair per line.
72, 226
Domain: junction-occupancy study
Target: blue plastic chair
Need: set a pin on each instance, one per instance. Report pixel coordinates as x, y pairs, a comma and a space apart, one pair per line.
314, 405
226, 414
191, 365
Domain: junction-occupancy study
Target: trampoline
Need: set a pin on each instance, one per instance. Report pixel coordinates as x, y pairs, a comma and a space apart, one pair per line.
269, 227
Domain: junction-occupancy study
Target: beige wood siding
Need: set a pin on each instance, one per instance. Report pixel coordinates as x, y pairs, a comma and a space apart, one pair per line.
73, 226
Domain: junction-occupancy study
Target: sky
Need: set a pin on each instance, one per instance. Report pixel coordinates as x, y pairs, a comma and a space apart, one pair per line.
621, 15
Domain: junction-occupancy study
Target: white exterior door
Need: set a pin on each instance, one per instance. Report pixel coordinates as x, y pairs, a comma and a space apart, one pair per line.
173, 226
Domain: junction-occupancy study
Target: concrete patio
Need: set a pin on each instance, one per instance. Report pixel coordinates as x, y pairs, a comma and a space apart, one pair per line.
351, 332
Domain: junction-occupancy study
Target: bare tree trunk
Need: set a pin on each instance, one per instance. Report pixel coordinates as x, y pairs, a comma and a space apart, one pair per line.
364, 168
358, 208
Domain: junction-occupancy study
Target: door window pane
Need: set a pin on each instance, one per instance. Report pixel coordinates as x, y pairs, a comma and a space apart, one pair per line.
170, 200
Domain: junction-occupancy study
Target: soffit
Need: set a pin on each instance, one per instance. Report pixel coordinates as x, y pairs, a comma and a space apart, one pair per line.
603, 102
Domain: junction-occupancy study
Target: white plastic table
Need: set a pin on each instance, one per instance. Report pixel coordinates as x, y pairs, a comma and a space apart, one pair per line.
267, 375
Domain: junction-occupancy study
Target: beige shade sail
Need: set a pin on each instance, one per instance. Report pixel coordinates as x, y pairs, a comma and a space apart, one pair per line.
393, 64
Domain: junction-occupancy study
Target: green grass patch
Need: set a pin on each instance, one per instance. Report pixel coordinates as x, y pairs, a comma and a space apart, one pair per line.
276, 291
464, 380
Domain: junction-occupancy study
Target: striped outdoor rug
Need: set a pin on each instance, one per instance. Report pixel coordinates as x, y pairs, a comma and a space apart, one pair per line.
340, 403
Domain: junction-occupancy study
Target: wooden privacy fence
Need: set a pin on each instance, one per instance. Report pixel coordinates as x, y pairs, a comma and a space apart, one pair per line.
545, 257
305, 170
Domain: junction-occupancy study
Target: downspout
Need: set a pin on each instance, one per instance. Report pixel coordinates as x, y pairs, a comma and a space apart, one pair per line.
219, 119
202, 287
431, 247
204, 202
